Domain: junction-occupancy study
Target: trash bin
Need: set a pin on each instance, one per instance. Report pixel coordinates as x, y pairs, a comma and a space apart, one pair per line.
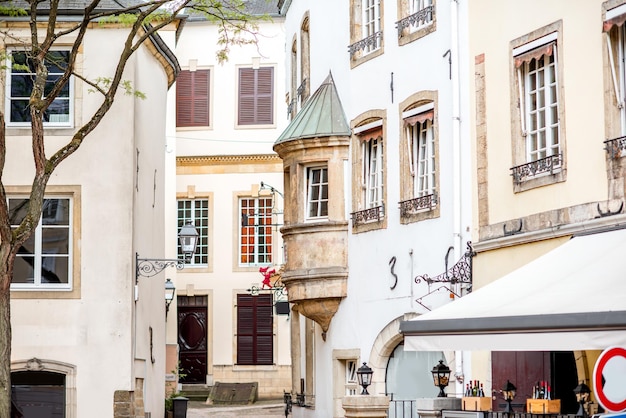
180, 406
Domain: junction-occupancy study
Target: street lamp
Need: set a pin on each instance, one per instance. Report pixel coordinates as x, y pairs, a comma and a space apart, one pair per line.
441, 377
582, 392
148, 267
364, 375
170, 289
508, 393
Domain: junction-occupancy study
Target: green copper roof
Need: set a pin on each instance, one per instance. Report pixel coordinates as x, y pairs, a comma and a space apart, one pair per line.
322, 115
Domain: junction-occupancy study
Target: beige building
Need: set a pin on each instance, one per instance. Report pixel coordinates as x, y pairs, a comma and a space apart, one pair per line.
229, 184
547, 108
88, 334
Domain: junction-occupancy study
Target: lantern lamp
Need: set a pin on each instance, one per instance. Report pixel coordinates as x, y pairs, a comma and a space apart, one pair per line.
364, 374
441, 377
582, 393
508, 393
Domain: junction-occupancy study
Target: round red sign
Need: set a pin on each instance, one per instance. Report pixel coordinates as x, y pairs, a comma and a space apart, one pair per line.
609, 375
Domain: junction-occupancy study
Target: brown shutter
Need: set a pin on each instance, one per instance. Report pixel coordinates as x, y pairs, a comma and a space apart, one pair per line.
192, 98
255, 342
256, 100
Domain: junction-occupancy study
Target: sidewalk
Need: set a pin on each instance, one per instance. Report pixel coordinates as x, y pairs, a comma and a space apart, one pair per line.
273, 408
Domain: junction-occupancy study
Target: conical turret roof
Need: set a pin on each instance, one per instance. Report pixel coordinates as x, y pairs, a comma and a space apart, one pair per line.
322, 115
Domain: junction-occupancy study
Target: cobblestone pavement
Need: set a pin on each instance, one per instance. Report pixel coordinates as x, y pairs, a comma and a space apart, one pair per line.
269, 408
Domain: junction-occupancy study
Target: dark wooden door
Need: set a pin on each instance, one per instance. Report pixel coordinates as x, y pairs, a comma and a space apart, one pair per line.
524, 369
192, 338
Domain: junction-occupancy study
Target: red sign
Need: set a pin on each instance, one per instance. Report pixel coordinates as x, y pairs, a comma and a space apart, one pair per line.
609, 375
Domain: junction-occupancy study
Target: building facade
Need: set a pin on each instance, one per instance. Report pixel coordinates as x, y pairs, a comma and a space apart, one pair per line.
225, 118
547, 121
88, 336
376, 162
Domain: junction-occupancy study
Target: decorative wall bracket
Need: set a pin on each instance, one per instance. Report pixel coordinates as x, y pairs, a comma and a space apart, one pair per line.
461, 272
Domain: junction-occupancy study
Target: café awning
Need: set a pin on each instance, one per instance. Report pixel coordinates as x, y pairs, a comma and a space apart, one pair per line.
571, 298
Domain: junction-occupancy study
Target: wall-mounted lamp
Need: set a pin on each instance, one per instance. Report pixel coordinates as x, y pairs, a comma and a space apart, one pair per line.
265, 186
441, 377
508, 393
148, 267
582, 392
170, 289
364, 376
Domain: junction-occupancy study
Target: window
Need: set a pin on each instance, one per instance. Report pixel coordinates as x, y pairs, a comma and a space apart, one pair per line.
196, 211
256, 96
418, 159
366, 31
368, 172
615, 117
255, 336
44, 261
371, 22
317, 192
255, 236
192, 98
21, 76
351, 380
540, 150
372, 174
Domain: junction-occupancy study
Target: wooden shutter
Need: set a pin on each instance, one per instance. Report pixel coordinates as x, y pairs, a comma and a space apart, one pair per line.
255, 338
192, 98
256, 96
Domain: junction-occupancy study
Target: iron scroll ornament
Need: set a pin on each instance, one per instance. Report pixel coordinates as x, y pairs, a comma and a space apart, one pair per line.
461, 272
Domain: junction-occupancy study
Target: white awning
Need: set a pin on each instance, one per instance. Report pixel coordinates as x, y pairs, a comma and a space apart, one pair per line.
572, 298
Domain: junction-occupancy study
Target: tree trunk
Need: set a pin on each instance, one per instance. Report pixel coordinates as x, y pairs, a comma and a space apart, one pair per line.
5, 342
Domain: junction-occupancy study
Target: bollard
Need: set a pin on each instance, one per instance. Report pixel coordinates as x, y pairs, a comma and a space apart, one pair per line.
180, 407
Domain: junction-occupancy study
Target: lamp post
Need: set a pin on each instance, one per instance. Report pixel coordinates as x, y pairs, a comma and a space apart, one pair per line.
170, 289
364, 375
508, 393
148, 267
582, 392
441, 377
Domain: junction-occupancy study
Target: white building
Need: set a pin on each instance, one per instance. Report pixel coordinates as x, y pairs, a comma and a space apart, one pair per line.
88, 340
385, 139
225, 119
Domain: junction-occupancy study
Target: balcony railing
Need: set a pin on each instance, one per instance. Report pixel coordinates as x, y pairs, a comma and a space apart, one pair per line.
418, 204
370, 43
402, 409
416, 20
367, 215
615, 146
547, 165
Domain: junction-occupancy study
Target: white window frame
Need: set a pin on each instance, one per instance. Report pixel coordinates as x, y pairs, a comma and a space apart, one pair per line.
8, 99
202, 225
542, 139
371, 21
257, 217
373, 172
422, 157
38, 254
352, 384
318, 199
618, 71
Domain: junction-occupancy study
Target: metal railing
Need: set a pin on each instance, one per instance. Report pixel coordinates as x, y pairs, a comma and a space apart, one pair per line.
547, 165
402, 409
421, 18
615, 146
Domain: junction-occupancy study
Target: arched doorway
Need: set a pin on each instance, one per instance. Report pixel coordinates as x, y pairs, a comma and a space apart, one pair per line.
39, 394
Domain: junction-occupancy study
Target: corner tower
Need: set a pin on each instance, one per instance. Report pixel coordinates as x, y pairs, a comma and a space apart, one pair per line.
314, 149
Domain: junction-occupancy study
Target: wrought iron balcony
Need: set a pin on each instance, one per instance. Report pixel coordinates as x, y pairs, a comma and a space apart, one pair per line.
370, 43
301, 88
367, 215
547, 165
418, 204
615, 146
416, 20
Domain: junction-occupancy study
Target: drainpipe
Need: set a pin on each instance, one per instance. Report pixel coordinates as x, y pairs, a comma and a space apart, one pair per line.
456, 161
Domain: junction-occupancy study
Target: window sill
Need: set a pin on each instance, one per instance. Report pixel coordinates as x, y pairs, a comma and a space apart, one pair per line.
408, 37
45, 293
356, 61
